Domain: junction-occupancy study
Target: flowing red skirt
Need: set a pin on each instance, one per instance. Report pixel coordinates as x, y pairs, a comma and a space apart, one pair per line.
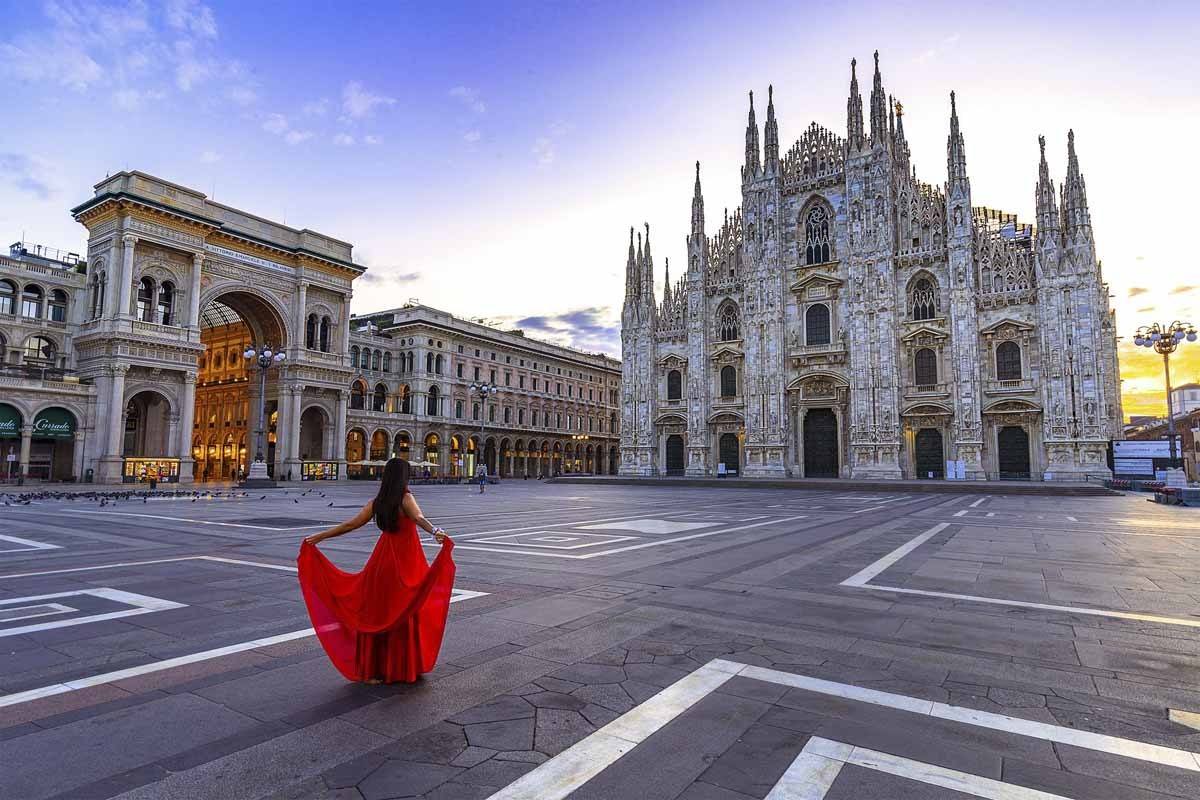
387, 621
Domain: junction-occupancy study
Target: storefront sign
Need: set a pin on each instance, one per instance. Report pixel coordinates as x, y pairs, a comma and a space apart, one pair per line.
54, 423
10, 422
1144, 448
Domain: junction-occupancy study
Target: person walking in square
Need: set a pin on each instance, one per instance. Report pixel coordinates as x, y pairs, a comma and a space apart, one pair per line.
481, 476
385, 623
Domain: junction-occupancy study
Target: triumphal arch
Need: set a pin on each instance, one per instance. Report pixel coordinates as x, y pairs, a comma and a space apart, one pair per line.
178, 287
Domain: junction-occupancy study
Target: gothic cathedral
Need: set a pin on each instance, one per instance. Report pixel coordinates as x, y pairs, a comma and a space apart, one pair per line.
851, 320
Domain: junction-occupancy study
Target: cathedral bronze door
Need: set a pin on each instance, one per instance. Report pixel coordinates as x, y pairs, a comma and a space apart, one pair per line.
931, 461
820, 444
728, 453
674, 454
1013, 450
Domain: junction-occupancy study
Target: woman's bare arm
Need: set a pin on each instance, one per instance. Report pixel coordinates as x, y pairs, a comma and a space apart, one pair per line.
409, 504
353, 524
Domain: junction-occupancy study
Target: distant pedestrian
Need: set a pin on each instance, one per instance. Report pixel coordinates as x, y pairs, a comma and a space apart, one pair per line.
481, 476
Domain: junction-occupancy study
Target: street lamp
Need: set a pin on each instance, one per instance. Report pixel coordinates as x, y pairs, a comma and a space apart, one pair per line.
266, 358
1165, 340
483, 391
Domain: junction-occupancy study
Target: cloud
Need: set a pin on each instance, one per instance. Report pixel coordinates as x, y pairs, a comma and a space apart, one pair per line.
191, 17
315, 108
470, 98
595, 328
472, 136
925, 56
1183, 289
372, 139
210, 157
1145, 310
543, 148
275, 123
343, 140
26, 174
359, 103
385, 276
132, 99
242, 95
1134, 291
296, 137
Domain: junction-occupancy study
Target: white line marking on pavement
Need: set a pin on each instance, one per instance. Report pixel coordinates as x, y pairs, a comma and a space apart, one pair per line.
29, 544
978, 502
627, 548
961, 513
18, 698
1189, 719
37, 610
578, 764
139, 604
568, 771
813, 772
862, 578
1072, 519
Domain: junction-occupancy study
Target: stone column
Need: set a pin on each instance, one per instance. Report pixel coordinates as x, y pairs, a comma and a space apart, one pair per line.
128, 242
187, 420
301, 317
339, 433
283, 425
345, 345
296, 402
173, 450
116, 412
194, 293
77, 457
26, 446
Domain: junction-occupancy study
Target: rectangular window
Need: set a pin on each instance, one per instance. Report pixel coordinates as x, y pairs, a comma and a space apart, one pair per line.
559, 389
507, 415
508, 379
458, 409
477, 373
475, 411
460, 349
570, 390
533, 417
492, 376
521, 381
535, 384
460, 370
520, 416
491, 413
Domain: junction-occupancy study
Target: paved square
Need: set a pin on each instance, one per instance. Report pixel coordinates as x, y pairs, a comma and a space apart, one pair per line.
615, 642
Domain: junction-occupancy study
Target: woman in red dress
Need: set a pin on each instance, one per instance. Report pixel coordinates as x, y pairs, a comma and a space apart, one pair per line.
385, 623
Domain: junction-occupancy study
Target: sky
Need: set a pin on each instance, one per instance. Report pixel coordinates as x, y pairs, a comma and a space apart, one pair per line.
488, 158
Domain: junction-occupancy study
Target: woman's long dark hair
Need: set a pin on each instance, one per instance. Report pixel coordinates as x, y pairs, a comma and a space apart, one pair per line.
391, 493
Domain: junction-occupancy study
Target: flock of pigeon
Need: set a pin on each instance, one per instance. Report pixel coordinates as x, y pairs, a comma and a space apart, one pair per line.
114, 497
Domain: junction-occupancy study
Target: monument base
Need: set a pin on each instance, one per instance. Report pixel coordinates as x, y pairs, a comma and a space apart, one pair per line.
258, 477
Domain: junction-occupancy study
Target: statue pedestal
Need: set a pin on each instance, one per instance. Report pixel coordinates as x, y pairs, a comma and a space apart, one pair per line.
258, 477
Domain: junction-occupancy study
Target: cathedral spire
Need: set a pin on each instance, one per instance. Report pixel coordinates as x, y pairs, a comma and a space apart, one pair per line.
648, 270
1047, 210
752, 168
956, 154
854, 113
631, 274
667, 284
698, 209
771, 136
879, 114
901, 144
1076, 217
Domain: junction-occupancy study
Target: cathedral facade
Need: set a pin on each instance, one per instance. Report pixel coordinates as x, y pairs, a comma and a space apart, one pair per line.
850, 320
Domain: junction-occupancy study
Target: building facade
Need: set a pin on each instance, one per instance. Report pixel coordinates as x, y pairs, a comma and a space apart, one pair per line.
129, 363
555, 410
849, 319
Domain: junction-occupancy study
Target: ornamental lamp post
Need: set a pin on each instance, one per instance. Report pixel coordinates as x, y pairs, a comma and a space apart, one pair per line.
266, 357
1165, 340
483, 391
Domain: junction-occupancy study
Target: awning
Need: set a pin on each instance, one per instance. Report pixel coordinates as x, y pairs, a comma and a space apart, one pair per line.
54, 423
10, 422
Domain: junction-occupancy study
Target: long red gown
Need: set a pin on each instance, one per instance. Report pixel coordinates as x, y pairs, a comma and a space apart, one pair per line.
387, 621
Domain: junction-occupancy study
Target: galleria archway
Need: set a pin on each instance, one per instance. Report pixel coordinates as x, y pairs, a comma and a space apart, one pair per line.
229, 388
